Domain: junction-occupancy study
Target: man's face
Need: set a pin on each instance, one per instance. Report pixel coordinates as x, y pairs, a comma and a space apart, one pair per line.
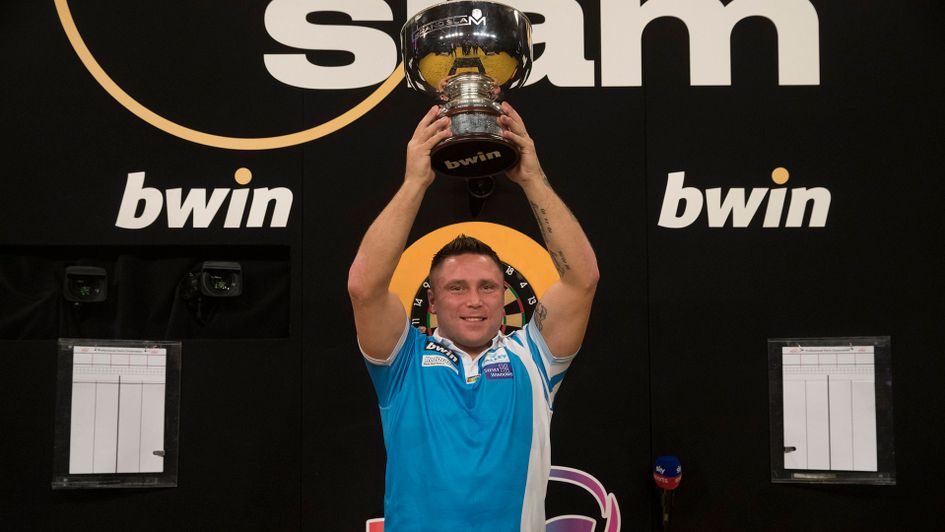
468, 300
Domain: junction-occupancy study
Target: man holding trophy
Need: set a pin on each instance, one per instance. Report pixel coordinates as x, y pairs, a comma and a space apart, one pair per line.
466, 411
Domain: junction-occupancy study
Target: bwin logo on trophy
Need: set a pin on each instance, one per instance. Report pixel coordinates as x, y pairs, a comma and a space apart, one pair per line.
467, 54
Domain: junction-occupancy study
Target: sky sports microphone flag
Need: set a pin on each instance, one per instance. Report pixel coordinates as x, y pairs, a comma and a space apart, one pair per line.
667, 472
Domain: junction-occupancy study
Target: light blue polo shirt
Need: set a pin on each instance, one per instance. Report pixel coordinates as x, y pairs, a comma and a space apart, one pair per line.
468, 441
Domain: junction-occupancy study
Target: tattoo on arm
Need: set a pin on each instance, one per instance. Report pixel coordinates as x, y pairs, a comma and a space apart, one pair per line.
543, 222
561, 262
539, 316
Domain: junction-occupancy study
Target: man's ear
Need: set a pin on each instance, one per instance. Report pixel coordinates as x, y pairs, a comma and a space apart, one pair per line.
431, 301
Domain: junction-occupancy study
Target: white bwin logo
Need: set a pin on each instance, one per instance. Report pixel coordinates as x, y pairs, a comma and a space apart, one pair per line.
740, 210
199, 207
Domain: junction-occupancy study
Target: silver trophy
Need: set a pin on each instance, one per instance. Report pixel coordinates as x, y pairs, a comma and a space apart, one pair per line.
467, 54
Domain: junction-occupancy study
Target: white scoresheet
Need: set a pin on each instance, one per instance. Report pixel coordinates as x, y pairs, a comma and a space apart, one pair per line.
117, 410
829, 408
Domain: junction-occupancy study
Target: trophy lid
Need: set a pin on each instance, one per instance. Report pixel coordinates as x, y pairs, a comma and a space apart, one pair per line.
466, 36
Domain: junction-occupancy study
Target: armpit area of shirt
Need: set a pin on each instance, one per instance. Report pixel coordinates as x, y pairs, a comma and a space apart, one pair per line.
535, 333
393, 355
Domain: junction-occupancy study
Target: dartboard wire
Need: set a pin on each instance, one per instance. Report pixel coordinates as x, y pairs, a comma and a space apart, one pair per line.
521, 308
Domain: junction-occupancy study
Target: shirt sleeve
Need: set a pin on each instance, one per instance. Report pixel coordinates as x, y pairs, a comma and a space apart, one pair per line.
388, 375
551, 367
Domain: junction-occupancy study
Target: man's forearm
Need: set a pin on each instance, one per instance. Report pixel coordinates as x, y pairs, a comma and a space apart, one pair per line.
565, 240
378, 314
384, 242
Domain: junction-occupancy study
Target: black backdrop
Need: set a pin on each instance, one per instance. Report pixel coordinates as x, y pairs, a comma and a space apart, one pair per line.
279, 427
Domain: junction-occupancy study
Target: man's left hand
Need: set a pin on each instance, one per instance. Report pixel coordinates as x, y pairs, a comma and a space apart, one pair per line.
513, 128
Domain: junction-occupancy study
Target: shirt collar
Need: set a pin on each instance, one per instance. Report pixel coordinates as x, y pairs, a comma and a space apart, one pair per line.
497, 341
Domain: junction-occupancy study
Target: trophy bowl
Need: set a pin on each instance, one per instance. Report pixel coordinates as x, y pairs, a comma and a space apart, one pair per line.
466, 54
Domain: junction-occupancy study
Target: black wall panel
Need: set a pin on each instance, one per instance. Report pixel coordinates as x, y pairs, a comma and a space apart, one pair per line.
279, 424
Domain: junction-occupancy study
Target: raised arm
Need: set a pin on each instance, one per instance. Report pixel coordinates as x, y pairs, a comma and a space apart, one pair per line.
564, 309
379, 316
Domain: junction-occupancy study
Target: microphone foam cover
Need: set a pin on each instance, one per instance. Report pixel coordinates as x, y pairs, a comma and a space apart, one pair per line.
667, 472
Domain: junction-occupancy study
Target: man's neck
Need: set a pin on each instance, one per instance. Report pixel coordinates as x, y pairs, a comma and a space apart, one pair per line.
473, 352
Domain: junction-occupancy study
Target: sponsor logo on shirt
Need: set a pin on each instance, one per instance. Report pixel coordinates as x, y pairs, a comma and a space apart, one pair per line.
496, 365
495, 356
499, 370
435, 347
430, 361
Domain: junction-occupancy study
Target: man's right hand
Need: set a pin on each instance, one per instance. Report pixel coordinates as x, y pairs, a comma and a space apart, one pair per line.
430, 131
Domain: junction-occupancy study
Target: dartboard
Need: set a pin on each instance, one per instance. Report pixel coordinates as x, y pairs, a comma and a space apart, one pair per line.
520, 301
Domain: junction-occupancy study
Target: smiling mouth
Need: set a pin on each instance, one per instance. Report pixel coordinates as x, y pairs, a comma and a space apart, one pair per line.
474, 319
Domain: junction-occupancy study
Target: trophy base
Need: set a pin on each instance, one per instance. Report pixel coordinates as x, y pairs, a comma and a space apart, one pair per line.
474, 155
477, 147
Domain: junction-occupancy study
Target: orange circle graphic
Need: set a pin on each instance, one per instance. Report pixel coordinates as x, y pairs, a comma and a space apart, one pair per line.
208, 139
